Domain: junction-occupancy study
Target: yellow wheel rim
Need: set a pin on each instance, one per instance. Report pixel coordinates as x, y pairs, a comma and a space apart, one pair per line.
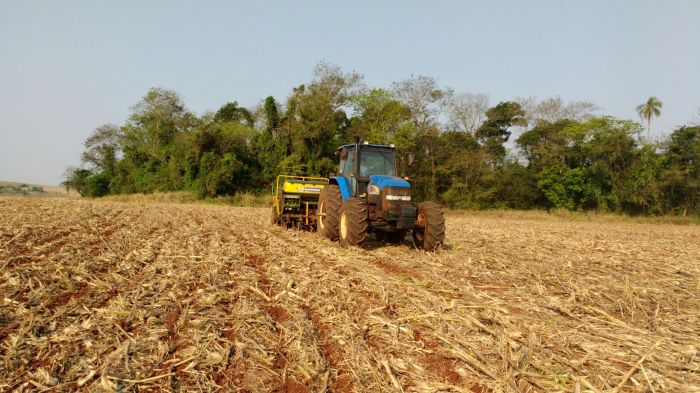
322, 213
344, 225
420, 234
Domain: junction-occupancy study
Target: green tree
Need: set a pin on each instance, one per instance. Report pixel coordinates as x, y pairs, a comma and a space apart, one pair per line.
156, 119
566, 188
465, 178
102, 147
272, 117
644, 191
270, 145
219, 175
549, 144
427, 101
97, 185
516, 187
682, 169
315, 121
292, 165
76, 179
378, 116
150, 137
610, 151
648, 110
495, 130
232, 112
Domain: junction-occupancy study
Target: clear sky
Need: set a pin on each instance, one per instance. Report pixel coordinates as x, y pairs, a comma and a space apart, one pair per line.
67, 67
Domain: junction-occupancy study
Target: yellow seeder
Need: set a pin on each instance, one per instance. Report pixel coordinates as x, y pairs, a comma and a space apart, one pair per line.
295, 200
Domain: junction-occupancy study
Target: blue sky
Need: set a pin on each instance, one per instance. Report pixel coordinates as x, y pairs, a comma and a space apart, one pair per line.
68, 67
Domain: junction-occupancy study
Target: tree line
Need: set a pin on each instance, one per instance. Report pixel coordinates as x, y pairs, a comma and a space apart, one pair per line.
462, 149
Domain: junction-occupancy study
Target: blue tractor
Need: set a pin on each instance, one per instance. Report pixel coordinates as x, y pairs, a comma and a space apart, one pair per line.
367, 196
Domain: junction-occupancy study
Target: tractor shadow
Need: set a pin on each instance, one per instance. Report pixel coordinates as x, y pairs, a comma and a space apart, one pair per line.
372, 243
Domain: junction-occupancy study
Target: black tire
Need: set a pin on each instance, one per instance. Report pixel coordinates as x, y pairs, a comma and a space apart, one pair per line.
353, 222
431, 234
393, 237
329, 211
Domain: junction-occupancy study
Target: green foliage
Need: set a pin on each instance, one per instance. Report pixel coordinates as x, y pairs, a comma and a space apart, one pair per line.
217, 175
97, 185
456, 145
549, 144
292, 165
232, 112
566, 188
516, 188
499, 119
380, 116
272, 117
76, 179
681, 173
270, 153
496, 129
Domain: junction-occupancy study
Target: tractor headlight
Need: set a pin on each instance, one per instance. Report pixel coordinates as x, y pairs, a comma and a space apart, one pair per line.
372, 189
398, 197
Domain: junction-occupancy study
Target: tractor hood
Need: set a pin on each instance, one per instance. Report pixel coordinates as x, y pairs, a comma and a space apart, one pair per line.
389, 181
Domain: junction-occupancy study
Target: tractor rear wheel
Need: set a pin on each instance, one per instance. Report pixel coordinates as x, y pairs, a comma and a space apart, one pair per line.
430, 230
353, 222
328, 211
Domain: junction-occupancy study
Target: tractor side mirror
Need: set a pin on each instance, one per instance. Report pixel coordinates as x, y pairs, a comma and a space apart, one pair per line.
411, 158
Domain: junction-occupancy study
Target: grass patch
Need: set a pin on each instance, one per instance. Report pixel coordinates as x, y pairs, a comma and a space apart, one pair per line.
566, 215
241, 199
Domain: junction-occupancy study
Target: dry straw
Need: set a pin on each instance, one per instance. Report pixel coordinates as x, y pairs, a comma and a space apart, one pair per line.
108, 296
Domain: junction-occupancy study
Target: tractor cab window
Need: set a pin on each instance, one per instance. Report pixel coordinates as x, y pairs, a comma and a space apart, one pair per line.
348, 163
377, 162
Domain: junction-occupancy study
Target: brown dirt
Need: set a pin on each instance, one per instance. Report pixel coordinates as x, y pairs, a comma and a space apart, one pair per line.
395, 269
170, 320
443, 368
292, 386
279, 314
65, 297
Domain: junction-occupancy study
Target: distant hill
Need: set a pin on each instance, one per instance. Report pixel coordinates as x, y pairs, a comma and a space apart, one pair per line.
26, 189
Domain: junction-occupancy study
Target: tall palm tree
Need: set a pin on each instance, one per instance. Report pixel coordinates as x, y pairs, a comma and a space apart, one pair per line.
648, 110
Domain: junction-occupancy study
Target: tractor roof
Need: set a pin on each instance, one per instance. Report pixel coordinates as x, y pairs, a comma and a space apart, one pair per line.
373, 145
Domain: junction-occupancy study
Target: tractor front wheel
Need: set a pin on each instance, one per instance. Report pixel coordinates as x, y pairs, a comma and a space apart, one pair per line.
329, 211
430, 226
353, 222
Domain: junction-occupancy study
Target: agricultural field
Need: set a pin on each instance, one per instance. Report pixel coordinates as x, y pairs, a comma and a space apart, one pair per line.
125, 296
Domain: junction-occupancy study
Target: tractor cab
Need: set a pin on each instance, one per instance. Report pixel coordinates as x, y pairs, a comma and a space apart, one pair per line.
359, 162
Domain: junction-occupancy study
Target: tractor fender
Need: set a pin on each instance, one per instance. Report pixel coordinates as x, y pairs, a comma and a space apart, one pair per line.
343, 185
